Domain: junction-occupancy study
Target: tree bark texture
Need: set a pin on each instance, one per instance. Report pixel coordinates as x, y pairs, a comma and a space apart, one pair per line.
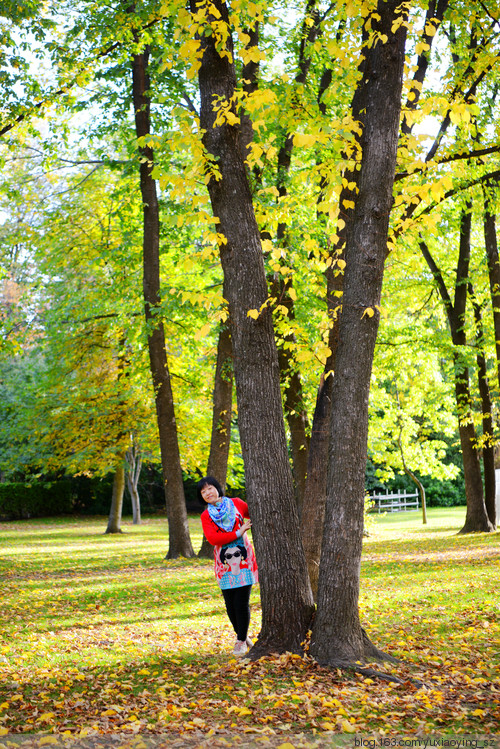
115, 513
337, 636
179, 539
221, 417
285, 591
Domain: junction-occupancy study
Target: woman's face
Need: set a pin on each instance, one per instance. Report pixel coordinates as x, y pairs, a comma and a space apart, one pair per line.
210, 494
232, 556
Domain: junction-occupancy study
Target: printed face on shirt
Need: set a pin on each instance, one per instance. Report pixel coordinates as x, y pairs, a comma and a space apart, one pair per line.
233, 557
210, 494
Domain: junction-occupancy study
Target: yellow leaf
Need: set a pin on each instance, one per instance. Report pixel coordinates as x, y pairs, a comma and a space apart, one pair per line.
202, 332
4, 731
46, 716
304, 356
253, 313
48, 740
348, 727
368, 311
232, 119
421, 47
109, 712
341, 263
304, 140
328, 726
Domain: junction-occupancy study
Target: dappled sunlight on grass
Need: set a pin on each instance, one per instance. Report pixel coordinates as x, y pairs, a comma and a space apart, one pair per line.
102, 634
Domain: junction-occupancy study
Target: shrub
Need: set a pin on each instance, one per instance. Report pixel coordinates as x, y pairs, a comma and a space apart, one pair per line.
20, 501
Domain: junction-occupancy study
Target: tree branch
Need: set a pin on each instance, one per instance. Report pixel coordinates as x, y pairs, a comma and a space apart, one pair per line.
478, 153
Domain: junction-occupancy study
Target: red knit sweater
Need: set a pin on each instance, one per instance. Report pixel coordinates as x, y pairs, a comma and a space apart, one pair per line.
214, 534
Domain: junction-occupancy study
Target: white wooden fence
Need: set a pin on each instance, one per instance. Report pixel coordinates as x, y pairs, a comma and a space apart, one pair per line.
395, 501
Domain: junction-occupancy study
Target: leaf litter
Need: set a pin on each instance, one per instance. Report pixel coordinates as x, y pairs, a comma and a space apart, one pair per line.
144, 654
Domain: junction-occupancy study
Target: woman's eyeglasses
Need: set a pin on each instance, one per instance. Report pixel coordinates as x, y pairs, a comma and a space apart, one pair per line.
230, 556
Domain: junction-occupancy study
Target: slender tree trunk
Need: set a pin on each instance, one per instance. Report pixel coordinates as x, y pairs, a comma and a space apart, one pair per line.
476, 519
476, 516
179, 539
491, 246
115, 513
221, 417
337, 635
409, 473
286, 597
293, 403
133, 472
421, 491
488, 450
293, 395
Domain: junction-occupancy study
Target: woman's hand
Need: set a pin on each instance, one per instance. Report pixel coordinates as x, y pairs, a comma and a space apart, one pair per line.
245, 526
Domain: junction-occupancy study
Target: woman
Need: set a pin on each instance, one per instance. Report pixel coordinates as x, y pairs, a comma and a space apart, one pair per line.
235, 566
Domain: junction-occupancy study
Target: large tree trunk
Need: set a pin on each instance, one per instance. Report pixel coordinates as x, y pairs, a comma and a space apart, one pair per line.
115, 513
337, 635
221, 418
179, 540
285, 591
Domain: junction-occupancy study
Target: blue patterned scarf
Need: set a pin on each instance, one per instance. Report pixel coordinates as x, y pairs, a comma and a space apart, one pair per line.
224, 513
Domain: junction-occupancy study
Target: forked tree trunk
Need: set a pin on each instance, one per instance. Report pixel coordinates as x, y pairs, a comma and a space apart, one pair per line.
285, 591
337, 636
178, 538
132, 474
221, 418
115, 513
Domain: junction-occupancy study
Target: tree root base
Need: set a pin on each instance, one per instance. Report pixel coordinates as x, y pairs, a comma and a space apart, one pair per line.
477, 528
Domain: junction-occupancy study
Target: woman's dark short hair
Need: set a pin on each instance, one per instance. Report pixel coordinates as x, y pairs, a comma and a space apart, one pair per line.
244, 553
203, 482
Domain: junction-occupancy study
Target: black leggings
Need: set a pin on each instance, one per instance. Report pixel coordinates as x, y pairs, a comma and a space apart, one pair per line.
238, 609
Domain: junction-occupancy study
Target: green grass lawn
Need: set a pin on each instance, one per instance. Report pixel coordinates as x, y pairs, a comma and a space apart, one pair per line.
101, 636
